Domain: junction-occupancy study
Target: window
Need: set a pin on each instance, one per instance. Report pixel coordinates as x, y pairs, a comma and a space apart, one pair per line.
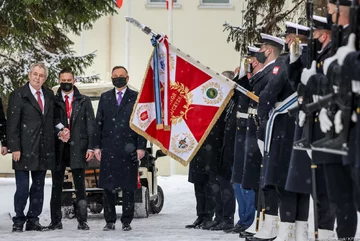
215, 4
161, 4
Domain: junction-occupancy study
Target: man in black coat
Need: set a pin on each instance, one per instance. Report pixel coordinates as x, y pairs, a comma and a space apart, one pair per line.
3, 141
31, 138
75, 123
118, 148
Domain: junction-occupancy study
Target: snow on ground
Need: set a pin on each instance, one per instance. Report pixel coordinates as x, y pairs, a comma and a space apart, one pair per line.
179, 210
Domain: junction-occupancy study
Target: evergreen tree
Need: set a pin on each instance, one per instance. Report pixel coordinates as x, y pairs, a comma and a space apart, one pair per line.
268, 16
36, 31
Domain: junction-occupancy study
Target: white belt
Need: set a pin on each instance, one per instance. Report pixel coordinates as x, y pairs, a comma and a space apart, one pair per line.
242, 115
252, 111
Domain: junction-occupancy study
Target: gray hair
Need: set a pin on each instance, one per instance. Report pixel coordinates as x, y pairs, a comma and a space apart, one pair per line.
229, 74
40, 65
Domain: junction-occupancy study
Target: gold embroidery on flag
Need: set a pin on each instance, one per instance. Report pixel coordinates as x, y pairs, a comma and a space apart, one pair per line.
212, 93
180, 101
182, 143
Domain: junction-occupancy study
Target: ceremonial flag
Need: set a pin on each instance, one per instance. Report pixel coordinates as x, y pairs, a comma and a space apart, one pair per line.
118, 3
192, 98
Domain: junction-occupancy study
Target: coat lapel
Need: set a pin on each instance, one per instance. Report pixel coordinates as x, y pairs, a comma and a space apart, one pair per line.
76, 106
28, 95
47, 102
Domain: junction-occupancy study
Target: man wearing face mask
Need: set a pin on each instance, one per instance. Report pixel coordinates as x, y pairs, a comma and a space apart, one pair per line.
268, 53
118, 148
75, 123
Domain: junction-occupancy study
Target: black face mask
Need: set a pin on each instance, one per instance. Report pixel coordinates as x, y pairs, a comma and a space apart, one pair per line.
329, 20
318, 45
66, 87
287, 49
119, 82
251, 69
260, 56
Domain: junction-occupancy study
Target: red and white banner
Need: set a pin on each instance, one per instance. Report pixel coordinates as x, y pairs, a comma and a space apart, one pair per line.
196, 97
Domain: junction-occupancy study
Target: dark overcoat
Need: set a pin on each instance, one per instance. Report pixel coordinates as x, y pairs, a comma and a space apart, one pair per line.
30, 131
117, 141
82, 128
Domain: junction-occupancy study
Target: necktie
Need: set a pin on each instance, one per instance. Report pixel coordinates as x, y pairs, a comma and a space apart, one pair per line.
40, 101
119, 98
68, 109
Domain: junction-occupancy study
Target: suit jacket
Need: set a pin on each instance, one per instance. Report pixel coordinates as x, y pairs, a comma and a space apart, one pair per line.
2, 125
118, 142
31, 132
82, 128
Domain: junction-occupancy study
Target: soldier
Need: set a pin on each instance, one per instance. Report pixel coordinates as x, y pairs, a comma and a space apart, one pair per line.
245, 197
300, 170
340, 189
268, 53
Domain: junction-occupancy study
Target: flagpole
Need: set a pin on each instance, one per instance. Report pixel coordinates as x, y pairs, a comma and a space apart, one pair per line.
171, 40
127, 37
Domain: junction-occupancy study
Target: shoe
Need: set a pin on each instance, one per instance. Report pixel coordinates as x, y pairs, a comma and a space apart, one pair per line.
196, 223
245, 234
109, 226
222, 226
209, 224
126, 227
54, 226
236, 229
83, 226
17, 227
35, 226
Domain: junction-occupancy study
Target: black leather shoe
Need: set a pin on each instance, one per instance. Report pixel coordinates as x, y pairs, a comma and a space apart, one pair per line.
35, 226
109, 226
196, 223
245, 234
83, 226
236, 229
126, 227
54, 226
17, 227
209, 224
222, 226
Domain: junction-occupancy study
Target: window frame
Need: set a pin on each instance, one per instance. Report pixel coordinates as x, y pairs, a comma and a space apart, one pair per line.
216, 5
150, 4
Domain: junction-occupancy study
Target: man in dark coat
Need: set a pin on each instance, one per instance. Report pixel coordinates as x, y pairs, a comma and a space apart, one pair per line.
118, 148
31, 138
74, 119
3, 141
202, 173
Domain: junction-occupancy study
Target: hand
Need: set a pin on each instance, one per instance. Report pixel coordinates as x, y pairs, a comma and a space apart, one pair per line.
89, 155
4, 150
343, 51
355, 86
293, 55
338, 122
302, 118
16, 156
64, 135
354, 117
97, 153
140, 154
325, 122
261, 145
307, 73
327, 63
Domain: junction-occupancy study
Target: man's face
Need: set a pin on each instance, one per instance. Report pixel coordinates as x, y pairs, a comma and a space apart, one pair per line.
37, 77
66, 78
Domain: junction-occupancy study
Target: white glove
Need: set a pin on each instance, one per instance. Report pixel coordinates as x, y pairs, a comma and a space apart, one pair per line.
327, 63
338, 122
343, 51
354, 117
293, 56
302, 118
309, 152
325, 122
355, 86
261, 145
316, 98
307, 73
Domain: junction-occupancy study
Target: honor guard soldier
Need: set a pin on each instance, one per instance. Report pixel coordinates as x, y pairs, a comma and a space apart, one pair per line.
268, 53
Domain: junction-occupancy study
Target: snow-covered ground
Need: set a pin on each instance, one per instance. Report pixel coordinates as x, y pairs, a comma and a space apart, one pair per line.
179, 210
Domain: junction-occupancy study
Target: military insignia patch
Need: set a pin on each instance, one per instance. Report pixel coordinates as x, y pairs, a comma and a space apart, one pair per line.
276, 70
212, 93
